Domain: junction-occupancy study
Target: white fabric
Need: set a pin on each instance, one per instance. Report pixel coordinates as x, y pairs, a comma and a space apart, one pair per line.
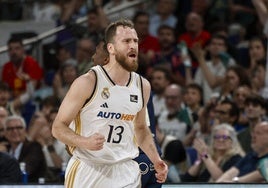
59, 149
218, 70
110, 112
172, 127
159, 105
83, 175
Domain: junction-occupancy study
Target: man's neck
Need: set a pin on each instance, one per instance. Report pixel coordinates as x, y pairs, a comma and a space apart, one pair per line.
166, 51
195, 34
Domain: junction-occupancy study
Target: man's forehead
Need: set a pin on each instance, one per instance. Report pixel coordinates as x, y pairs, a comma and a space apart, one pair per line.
124, 30
262, 126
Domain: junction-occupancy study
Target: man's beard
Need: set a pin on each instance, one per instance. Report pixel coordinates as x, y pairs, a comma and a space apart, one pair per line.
130, 66
16, 60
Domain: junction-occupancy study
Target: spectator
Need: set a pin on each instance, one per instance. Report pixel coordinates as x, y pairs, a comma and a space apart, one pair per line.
54, 151
163, 16
177, 159
239, 97
70, 11
206, 121
248, 164
63, 54
14, 105
23, 150
195, 33
226, 112
255, 110
161, 77
97, 21
169, 55
9, 169
63, 80
42, 115
223, 152
234, 77
193, 101
210, 75
257, 52
3, 141
258, 137
85, 48
20, 69
258, 80
174, 120
101, 56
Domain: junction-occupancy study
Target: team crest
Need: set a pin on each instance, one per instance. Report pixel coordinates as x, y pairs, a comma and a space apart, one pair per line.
105, 93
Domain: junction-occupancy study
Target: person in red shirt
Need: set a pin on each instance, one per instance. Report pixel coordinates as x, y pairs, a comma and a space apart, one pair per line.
20, 69
195, 32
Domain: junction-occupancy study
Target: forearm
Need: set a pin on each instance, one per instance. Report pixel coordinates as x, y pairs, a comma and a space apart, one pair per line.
188, 75
213, 168
212, 80
104, 21
57, 161
195, 169
63, 133
146, 143
68, 11
261, 10
228, 175
254, 176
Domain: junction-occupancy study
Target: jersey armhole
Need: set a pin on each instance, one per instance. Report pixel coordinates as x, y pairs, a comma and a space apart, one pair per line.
141, 86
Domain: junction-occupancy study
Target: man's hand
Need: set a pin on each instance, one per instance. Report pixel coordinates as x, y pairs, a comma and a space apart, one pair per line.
161, 169
96, 142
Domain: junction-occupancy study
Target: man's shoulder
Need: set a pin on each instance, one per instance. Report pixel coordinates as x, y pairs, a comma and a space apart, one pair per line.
30, 59
7, 64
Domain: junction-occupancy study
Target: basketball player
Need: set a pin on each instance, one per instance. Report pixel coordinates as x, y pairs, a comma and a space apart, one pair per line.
148, 179
102, 118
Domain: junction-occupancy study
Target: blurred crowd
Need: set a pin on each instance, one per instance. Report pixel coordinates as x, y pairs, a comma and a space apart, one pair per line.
205, 60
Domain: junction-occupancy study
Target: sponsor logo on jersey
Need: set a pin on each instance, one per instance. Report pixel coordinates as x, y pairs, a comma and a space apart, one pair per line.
104, 105
134, 98
114, 115
105, 94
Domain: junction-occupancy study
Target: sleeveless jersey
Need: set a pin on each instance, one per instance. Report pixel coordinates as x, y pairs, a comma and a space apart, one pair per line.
110, 111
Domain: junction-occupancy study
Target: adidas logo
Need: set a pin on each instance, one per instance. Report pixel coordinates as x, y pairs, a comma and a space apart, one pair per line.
104, 105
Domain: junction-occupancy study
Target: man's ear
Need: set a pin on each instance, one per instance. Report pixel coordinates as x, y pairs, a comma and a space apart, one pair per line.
110, 48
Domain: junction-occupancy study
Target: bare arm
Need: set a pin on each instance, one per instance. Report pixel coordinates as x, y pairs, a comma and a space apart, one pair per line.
102, 16
145, 139
18, 102
213, 168
254, 176
228, 175
194, 170
68, 10
213, 80
70, 106
202, 149
261, 10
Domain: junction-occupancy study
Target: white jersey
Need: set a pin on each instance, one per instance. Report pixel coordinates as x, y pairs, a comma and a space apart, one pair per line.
110, 111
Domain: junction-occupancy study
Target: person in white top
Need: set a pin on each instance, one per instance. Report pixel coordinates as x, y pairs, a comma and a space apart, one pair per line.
102, 118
